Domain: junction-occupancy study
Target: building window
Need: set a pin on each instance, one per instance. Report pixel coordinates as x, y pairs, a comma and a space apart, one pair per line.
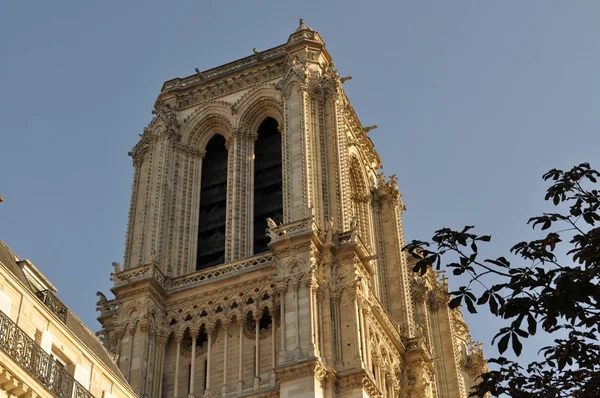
268, 199
213, 201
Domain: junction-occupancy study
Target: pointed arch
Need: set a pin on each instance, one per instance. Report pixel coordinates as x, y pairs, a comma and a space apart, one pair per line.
268, 182
257, 105
213, 204
206, 129
360, 198
214, 117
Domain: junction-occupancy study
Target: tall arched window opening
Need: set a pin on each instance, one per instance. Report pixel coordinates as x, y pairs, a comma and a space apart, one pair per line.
213, 201
268, 197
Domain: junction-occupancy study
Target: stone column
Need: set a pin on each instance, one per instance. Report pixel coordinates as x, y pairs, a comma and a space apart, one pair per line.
150, 363
210, 328
225, 325
161, 342
366, 311
336, 298
357, 338
298, 350
194, 335
273, 349
240, 383
311, 284
132, 330
376, 363
178, 339
119, 333
144, 328
324, 332
281, 290
361, 323
390, 384
257, 348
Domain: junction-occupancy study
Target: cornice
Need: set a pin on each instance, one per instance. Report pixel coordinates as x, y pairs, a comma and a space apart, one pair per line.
214, 74
298, 370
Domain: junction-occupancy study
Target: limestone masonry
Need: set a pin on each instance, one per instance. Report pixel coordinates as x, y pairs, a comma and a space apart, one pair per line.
264, 248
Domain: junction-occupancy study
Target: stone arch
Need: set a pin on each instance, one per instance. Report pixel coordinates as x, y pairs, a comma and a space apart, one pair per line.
256, 106
172, 316
220, 318
235, 314
249, 309
207, 128
249, 295
187, 313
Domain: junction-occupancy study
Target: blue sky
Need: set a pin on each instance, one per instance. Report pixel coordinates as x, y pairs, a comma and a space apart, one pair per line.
474, 101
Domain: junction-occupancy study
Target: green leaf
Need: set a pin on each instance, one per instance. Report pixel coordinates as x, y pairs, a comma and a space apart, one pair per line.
470, 305
556, 200
503, 343
484, 298
521, 333
531, 324
516, 345
473, 246
493, 305
455, 302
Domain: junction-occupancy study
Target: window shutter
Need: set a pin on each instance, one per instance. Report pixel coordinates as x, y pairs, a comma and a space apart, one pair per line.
5, 303
46, 343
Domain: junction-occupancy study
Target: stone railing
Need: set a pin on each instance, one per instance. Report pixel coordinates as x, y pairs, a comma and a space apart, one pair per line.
225, 69
294, 228
140, 273
39, 364
218, 272
153, 271
54, 304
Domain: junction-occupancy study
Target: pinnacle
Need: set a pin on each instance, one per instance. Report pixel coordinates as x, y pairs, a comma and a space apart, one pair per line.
301, 26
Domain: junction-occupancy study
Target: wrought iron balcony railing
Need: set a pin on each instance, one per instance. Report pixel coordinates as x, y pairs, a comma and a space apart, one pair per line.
39, 364
58, 307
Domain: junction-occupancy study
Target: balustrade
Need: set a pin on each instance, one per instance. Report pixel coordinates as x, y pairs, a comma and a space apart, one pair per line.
54, 304
38, 363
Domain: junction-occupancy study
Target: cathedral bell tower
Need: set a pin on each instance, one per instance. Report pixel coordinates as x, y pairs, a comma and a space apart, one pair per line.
264, 247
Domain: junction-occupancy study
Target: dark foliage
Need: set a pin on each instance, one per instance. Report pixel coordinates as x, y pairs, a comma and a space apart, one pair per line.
536, 291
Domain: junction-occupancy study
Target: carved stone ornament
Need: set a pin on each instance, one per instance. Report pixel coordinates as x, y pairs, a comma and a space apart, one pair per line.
438, 298
359, 380
300, 370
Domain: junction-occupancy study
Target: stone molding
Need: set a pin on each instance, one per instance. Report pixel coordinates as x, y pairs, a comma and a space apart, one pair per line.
293, 371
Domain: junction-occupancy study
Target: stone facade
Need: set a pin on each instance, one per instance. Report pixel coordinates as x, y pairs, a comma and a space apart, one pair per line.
45, 350
332, 309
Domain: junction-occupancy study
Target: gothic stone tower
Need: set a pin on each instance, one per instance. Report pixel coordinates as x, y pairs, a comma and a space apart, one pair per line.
264, 248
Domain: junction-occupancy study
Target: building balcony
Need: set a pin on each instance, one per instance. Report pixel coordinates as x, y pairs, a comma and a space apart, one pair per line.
54, 304
38, 363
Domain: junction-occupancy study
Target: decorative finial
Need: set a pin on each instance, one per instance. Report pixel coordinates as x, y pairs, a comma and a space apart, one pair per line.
302, 22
